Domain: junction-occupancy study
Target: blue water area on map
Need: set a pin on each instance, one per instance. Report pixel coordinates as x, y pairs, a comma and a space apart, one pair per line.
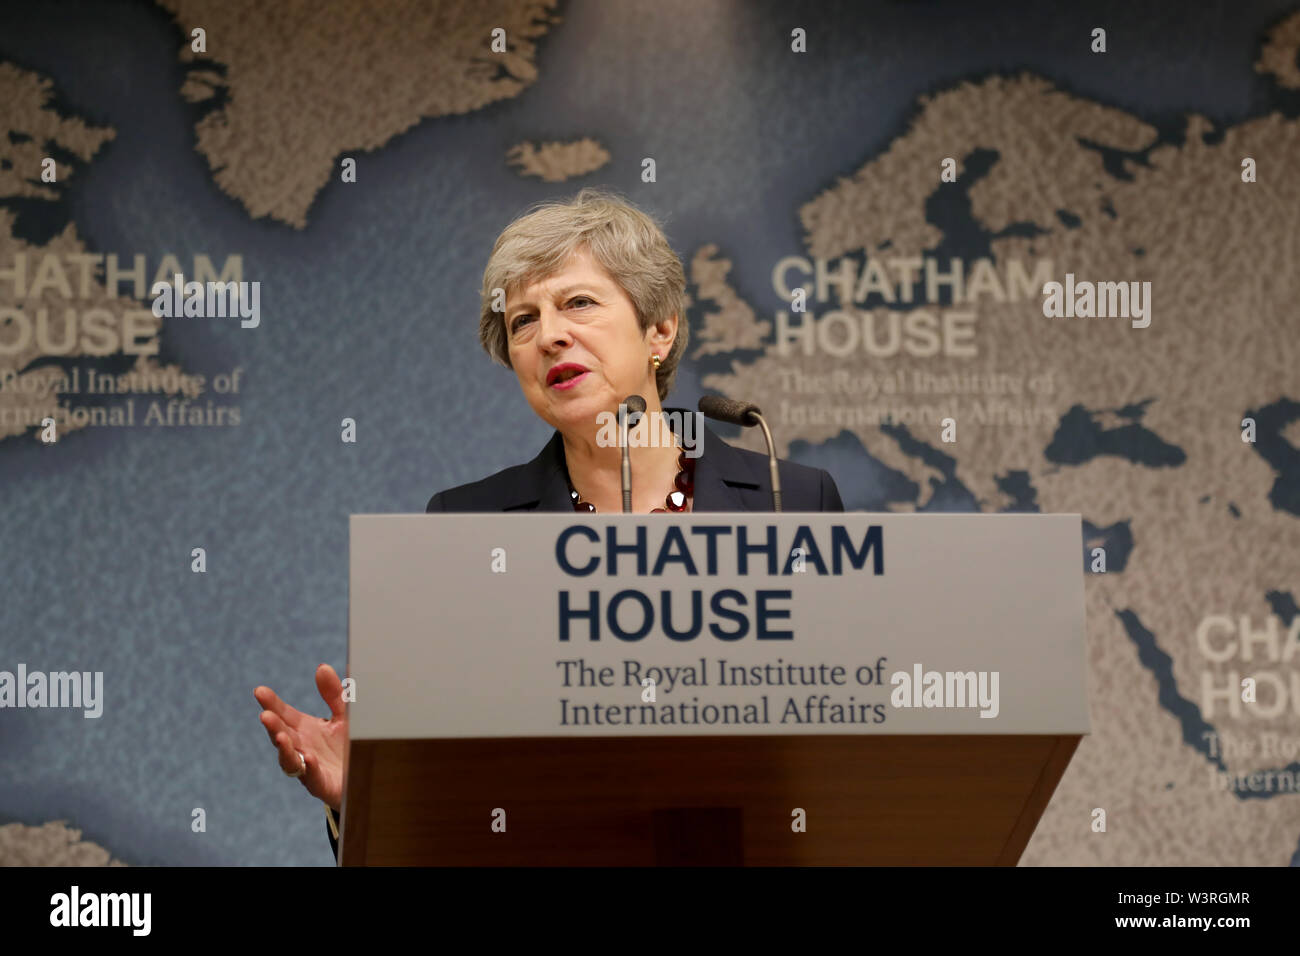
1080, 438
1273, 447
1195, 729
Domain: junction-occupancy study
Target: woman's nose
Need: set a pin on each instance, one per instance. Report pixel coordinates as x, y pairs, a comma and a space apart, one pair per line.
554, 327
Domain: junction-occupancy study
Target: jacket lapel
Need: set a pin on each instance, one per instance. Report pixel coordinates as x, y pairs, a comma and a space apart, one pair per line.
720, 477
544, 473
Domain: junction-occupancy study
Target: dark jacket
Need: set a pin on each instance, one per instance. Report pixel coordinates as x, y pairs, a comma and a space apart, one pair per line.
726, 479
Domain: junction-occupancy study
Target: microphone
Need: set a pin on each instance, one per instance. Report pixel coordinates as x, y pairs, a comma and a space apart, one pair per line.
746, 414
635, 405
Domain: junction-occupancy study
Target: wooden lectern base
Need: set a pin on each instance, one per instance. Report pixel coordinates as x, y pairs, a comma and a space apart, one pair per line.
699, 801
699, 837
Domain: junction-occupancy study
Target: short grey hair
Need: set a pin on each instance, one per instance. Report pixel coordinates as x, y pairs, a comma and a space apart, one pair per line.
626, 242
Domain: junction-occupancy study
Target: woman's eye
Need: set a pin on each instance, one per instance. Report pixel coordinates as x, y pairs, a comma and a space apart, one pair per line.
514, 325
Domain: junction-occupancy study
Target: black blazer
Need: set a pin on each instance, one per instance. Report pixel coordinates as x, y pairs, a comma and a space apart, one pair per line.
726, 479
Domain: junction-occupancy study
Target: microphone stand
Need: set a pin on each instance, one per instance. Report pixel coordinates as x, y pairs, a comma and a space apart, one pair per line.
636, 405
771, 460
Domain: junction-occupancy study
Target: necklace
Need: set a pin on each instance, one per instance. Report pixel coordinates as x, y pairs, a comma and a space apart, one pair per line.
683, 489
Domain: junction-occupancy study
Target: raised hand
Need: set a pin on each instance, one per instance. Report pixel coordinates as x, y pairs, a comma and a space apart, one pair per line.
321, 742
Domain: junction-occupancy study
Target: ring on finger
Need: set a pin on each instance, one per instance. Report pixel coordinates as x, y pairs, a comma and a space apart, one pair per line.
301, 770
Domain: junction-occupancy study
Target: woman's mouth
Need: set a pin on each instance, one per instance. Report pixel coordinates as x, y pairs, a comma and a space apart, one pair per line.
566, 381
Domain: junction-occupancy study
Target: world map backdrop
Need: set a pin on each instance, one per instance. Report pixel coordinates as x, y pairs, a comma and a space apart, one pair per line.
868, 200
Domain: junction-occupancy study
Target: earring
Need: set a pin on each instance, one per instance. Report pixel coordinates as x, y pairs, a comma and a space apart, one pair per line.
655, 359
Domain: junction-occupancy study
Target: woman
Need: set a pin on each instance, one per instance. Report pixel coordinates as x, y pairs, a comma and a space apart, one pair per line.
590, 314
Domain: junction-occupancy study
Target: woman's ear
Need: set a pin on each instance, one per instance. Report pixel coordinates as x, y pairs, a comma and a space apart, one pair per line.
661, 336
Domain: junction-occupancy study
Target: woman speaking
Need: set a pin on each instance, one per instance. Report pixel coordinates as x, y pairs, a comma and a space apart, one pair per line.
584, 301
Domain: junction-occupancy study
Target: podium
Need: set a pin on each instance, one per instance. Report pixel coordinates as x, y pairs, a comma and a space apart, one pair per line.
710, 688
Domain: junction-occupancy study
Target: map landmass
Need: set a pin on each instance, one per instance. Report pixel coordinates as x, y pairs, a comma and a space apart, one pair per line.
34, 130
295, 85
1220, 254
556, 162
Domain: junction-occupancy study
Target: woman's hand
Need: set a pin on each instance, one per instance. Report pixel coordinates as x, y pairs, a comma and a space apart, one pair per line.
321, 742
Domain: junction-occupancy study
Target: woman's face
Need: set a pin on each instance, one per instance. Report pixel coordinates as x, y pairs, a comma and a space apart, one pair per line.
581, 316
